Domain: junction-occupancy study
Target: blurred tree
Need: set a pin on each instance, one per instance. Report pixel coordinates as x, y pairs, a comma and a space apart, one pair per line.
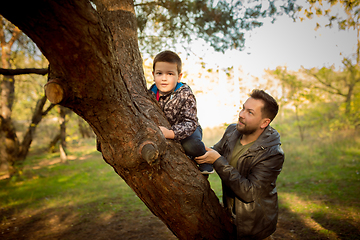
326, 88
63, 112
84, 128
13, 151
294, 93
345, 83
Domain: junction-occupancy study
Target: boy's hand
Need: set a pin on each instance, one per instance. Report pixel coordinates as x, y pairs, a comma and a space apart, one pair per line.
169, 134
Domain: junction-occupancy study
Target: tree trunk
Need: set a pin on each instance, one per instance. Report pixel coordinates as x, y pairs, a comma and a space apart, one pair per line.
10, 147
53, 143
12, 151
96, 70
38, 115
62, 145
15, 152
84, 129
301, 131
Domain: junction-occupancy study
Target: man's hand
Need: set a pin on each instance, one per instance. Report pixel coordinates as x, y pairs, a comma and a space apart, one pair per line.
209, 157
169, 134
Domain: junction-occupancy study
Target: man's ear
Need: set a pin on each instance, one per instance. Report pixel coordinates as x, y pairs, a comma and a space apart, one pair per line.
265, 123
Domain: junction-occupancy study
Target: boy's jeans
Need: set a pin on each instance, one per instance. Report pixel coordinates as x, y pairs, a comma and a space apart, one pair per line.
193, 145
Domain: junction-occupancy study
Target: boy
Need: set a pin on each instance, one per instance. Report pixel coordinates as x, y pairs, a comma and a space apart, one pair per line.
179, 105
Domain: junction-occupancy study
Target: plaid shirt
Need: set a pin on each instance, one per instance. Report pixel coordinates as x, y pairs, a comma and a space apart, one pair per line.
180, 110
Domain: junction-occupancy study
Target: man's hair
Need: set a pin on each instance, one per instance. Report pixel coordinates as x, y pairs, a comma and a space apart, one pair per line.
270, 108
170, 57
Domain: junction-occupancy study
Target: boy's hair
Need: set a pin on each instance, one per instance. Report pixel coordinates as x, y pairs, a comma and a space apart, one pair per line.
270, 108
170, 57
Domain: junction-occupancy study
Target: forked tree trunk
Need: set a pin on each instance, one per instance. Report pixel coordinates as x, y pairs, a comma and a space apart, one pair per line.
15, 152
96, 70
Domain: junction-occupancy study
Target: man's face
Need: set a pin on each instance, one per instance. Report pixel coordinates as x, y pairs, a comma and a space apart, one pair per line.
166, 77
250, 117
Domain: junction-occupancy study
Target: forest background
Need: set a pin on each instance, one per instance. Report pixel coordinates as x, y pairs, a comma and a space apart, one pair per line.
319, 115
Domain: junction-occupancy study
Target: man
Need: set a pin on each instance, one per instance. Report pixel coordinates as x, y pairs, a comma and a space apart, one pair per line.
248, 160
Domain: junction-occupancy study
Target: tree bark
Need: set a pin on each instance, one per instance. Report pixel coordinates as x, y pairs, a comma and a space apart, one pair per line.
96, 60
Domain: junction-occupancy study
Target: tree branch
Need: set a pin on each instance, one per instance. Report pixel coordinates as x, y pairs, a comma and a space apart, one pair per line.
147, 4
22, 71
48, 109
331, 89
2, 34
15, 36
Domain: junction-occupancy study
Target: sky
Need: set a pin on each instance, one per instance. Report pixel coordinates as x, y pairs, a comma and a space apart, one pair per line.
284, 43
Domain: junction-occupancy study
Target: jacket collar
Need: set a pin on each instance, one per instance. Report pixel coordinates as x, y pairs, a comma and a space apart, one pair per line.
268, 138
154, 89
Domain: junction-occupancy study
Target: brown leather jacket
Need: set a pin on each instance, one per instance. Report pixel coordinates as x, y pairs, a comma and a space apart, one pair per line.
249, 191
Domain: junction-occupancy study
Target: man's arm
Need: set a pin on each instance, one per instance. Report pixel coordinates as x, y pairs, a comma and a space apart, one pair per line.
258, 182
209, 157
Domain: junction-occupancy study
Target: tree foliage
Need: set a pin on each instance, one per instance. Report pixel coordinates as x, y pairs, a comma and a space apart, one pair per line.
321, 97
221, 23
344, 13
344, 83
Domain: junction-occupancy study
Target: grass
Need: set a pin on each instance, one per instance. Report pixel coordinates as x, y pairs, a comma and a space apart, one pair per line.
82, 182
318, 190
320, 185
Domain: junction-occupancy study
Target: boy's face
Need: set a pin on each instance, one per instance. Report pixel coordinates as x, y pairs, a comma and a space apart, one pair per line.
166, 77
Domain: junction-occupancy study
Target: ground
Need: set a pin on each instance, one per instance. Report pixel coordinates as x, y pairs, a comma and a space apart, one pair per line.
47, 225
52, 225
65, 223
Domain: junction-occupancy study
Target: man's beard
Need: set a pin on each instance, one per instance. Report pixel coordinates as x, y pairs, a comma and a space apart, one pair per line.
245, 130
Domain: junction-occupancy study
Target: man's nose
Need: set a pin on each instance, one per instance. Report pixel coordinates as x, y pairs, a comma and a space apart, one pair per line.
241, 114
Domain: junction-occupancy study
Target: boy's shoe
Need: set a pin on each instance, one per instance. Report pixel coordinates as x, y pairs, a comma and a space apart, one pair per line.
206, 168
